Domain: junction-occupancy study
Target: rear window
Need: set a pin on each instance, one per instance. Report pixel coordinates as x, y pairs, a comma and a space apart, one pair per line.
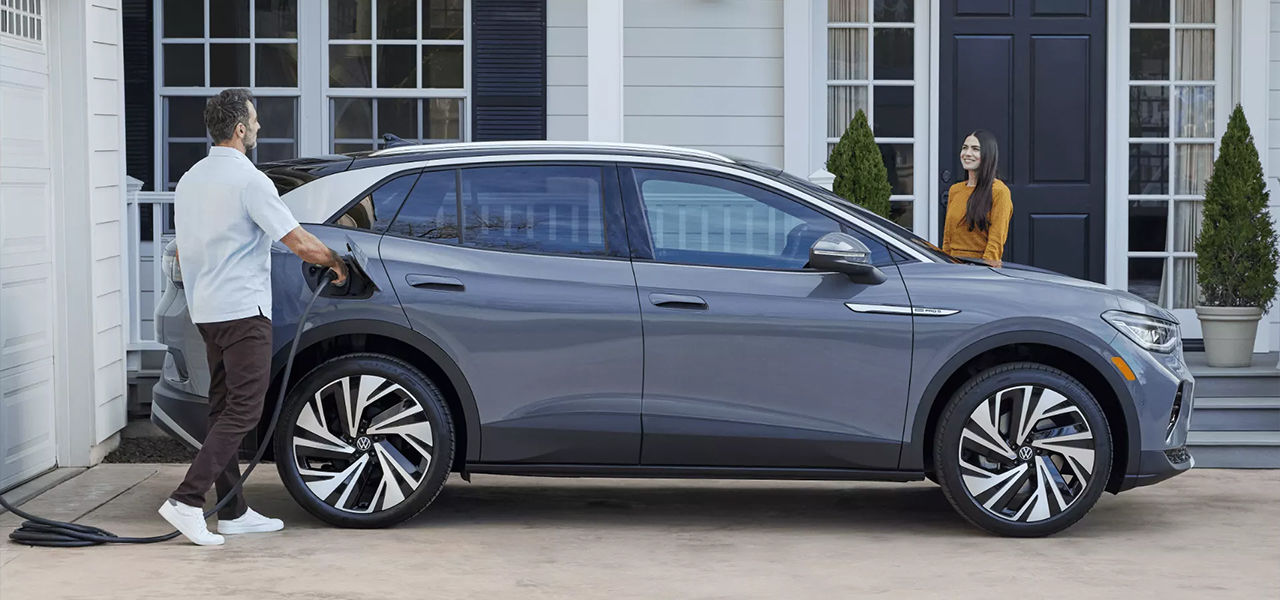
290, 174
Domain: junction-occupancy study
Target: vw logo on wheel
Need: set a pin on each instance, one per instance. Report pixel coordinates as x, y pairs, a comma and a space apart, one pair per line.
1024, 452
363, 444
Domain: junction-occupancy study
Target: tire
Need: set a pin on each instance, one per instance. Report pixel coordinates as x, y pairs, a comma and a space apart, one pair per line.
1030, 487
395, 461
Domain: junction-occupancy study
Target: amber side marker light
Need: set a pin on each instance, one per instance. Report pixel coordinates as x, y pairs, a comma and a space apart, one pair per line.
1123, 367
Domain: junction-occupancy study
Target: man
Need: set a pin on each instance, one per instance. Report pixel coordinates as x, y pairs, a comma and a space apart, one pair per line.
228, 213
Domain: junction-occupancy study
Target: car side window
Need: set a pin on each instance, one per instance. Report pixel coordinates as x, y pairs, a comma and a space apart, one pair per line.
431, 212
881, 256
378, 207
702, 219
544, 209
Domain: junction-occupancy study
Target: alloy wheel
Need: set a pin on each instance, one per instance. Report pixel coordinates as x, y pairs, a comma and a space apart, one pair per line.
1026, 453
362, 444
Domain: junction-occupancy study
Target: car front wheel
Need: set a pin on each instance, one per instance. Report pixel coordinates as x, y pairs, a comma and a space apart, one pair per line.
364, 440
1023, 450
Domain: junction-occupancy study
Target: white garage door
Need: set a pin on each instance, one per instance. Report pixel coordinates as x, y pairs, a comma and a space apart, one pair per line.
26, 246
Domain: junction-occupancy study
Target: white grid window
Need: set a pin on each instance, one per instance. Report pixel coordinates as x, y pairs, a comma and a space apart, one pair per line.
22, 19
1176, 112
395, 67
871, 66
207, 46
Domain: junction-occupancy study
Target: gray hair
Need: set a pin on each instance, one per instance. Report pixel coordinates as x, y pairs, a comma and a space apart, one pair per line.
226, 110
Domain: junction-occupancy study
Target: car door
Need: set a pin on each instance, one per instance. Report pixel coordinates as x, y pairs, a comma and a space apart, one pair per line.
534, 298
751, 359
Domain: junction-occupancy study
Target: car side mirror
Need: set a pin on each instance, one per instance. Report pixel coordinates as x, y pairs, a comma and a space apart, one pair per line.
843, 253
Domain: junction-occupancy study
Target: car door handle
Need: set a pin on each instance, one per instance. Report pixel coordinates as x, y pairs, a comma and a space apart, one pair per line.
677, 301
435, 282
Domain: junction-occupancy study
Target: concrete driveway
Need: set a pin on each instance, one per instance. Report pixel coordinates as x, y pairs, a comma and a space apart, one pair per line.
1206, 534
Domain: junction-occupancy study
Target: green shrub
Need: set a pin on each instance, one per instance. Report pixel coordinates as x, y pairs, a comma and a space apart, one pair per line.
859, 168
1236, 253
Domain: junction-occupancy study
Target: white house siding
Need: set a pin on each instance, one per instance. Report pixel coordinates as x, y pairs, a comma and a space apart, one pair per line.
27, 268
105, 200
1271, 163
566, 69
704, 75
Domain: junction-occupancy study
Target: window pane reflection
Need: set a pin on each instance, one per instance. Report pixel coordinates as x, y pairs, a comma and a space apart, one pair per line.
1148, 168
1148, 111
1146, 278
899, 161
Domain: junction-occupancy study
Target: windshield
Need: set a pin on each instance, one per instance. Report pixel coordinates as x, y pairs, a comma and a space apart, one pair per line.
882, 224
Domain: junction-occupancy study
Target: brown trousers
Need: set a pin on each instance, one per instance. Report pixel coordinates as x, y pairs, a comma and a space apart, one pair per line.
239, 353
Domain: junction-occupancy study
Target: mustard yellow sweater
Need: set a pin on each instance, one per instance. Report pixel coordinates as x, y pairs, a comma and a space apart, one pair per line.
957, 240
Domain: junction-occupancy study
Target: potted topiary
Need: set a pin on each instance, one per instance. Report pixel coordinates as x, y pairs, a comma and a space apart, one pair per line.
859, 168
1236, 253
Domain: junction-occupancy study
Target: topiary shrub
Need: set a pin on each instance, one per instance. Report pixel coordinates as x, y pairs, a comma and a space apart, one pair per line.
1236, 253
856, 162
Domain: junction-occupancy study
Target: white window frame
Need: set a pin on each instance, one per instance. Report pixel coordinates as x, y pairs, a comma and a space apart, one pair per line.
160, 127
23, 20
313, 91
1118, 133
924, 127
328, 93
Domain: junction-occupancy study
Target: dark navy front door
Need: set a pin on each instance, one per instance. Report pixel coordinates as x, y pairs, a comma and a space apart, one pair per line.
1033, 72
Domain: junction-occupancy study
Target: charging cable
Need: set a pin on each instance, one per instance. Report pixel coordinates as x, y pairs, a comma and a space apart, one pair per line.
39, 531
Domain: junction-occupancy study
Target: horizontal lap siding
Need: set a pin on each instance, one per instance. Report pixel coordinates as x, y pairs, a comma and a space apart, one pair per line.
106, 151
566, 69
705, 75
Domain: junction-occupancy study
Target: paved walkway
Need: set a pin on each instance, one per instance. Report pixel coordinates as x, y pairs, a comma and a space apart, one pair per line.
1206, 534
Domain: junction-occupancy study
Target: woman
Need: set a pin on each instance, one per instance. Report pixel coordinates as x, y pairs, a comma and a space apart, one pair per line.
979, 208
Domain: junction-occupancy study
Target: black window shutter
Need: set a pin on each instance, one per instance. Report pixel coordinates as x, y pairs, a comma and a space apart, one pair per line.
139, 92
508, 70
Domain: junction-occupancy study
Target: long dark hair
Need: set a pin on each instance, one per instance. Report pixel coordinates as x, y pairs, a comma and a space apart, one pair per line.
977, 214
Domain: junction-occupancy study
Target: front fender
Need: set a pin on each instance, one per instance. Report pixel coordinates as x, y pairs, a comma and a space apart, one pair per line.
950, 356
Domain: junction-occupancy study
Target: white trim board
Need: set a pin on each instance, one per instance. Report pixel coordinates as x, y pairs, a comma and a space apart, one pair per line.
604, 71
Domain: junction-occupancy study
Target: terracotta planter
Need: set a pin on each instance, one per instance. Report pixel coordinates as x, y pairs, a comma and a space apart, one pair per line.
1229, 332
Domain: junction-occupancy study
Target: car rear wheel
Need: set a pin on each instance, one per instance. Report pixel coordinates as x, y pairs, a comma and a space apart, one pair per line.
364, 440
1023, 450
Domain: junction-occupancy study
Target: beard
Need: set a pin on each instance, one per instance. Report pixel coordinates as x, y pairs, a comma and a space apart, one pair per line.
250, 143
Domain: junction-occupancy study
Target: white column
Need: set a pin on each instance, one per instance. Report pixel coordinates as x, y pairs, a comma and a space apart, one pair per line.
604, 70
818, 95
313, 116
1253, 56
1117, 148
74, 403
797, 86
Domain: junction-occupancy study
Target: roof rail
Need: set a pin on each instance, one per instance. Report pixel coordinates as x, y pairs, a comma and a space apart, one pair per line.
519, 144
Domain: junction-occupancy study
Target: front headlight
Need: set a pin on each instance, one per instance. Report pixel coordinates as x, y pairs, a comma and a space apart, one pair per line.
1156, 335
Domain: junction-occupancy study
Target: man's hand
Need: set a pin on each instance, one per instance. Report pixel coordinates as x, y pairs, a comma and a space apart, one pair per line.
309, 248
339, 267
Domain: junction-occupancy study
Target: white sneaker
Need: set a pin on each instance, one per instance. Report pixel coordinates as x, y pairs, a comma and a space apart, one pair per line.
250, 522
190, 521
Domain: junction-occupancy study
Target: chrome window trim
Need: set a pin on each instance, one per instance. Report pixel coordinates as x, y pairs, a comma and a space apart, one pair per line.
535, 144
316, 201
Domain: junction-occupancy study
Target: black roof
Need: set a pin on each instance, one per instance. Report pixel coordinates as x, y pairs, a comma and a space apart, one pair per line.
289, 174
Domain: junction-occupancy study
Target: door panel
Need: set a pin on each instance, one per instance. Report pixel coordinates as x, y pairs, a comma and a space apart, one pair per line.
1033, 73
774, 370
550, 344
751, 360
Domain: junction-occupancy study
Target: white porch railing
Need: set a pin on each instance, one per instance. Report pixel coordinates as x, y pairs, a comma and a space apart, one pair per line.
143, 258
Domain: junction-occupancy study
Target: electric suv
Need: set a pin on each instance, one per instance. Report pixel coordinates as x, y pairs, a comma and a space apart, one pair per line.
578, 309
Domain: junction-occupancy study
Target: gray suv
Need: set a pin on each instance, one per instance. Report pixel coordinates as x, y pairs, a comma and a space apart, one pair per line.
576, 309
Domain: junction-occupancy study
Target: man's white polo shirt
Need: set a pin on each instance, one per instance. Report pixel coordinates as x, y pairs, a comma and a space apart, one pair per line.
227, 213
